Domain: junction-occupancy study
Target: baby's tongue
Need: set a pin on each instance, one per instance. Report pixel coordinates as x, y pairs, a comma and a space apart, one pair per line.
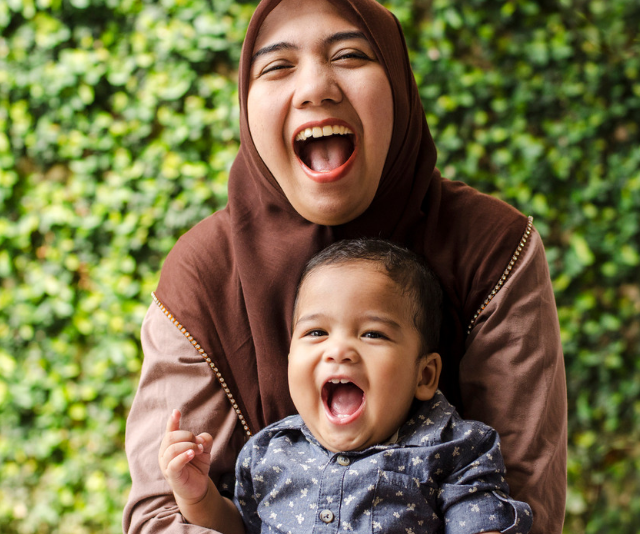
346, 399
327, 153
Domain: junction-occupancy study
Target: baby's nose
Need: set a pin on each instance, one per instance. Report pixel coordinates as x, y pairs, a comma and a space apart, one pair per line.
341, 351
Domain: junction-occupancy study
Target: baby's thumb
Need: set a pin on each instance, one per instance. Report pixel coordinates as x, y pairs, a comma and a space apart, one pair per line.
173, 423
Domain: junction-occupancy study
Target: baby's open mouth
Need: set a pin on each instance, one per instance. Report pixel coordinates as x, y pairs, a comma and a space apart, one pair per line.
341, 397
324, 148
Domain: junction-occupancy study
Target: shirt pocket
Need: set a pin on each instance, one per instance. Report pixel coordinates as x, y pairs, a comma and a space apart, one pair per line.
402, 504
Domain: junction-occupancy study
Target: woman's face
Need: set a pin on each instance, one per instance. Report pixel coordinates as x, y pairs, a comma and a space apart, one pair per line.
320, 110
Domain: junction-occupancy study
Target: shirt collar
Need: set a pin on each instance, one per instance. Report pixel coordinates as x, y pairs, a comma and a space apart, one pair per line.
426, 422
425, 425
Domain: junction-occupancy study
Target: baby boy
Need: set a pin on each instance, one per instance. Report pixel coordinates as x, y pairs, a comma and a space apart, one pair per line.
375, 447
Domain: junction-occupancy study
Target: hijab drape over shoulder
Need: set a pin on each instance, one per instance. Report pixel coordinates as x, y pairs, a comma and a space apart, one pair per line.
230, 281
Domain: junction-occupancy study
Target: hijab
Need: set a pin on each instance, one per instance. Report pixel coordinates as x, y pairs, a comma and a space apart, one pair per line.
229, 283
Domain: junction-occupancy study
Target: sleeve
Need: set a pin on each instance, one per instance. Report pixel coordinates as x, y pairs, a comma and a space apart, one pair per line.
174, 375
473, 498
512, 378
245, 498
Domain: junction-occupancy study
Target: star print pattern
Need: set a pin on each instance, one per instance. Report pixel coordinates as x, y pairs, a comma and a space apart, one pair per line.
442, 473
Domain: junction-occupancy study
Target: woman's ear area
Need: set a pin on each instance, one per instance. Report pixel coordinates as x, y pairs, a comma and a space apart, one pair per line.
429, 368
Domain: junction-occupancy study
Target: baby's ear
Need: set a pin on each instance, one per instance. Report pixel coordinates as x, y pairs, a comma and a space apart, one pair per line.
429, 368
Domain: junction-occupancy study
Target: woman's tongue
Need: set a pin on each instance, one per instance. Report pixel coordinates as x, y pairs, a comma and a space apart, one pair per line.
345, 400
326, 153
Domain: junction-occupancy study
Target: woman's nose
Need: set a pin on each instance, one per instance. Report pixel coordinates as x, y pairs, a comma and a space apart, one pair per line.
316, 85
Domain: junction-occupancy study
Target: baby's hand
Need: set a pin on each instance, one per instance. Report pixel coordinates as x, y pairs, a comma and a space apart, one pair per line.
184, 460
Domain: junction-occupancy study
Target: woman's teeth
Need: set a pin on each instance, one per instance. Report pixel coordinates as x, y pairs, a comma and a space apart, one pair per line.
324, 131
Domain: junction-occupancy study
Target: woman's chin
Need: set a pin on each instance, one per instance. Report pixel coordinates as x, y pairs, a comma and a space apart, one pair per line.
332, 197
331, 209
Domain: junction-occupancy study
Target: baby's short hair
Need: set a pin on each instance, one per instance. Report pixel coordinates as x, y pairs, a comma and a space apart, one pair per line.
408, 270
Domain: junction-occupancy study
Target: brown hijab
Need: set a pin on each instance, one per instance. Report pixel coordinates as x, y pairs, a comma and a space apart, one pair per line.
229, 283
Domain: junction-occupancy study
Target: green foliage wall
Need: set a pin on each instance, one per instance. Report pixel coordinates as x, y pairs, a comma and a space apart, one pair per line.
118, 125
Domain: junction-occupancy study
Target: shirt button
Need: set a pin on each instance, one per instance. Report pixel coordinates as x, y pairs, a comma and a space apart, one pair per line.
343, 460
326, 516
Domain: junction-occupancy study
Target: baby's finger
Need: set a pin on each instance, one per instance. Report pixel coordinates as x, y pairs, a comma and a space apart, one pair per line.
206, 440
177, 464
178, 449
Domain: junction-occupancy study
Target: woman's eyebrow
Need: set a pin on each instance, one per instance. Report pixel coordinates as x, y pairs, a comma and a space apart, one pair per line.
273, 48
344, 36
336, 37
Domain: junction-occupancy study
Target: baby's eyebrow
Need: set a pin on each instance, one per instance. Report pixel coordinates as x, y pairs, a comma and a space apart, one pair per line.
383, 320
308, 318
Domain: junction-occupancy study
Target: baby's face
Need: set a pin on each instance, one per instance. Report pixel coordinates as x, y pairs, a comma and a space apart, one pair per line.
354, 364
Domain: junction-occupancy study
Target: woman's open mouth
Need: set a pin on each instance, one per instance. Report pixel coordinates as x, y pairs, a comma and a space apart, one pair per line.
343, 400
325, 150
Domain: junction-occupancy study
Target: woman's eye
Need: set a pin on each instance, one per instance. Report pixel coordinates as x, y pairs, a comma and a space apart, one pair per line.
352, 54
274, 67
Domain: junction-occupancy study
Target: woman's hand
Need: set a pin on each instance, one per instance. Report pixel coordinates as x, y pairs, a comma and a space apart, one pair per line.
184, 460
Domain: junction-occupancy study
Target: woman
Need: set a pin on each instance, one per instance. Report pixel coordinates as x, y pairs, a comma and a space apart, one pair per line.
335, 145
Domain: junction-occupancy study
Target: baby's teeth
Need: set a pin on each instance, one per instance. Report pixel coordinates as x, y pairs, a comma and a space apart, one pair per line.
344, 381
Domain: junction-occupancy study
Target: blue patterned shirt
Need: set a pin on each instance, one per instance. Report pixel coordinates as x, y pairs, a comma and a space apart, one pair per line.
440, 474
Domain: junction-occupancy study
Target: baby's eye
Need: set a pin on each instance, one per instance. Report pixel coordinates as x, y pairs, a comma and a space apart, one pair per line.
317, 332
375, 335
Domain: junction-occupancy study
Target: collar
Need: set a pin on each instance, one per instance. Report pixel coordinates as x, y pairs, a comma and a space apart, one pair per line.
425, 425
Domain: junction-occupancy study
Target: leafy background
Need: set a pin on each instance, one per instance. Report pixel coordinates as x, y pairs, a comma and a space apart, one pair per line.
118, 125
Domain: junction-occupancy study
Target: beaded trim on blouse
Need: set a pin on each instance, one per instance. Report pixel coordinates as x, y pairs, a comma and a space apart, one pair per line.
207, 359
505, 275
